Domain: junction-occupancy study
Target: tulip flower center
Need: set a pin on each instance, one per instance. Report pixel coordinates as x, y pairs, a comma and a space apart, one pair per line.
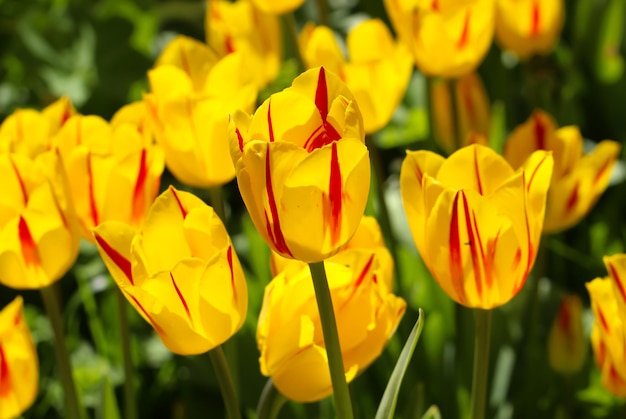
5, 376
534, 26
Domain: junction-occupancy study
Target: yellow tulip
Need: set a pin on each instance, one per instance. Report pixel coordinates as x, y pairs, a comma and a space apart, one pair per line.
29, 132
476, 222
578, 180
528, 27
473, 109
369, 237
38, 233
608, 335
180, 272
567, 343
112, 173
19, 367
240, 26
448, 38
277, 7
375, 60
289, 333
136, 115
192, 94
302, 166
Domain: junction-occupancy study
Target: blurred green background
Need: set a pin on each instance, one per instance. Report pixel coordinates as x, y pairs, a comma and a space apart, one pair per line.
98, 52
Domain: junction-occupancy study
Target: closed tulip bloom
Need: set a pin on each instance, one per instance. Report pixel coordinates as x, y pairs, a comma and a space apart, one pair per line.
289, 333
448, 38
528, 27
375, 59
38, 234
192, 94
567, 343
240, 26
112, 173
19, 367
578, 179
29, 132
180, 272
302, 166
476, 222
608, 335
473, 112
136, 115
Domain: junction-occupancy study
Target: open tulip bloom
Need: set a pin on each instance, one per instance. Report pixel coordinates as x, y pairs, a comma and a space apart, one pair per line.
476, 222
302, 166
180, 272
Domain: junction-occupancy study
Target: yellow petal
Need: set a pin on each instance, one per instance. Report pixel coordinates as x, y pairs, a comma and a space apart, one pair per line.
193, 57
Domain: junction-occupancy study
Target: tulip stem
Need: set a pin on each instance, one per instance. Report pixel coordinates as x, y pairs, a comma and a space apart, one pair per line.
322, 11
53, 309
130, 404
220, 365
343, 404
289, 23
270, 402
454, 107
383, 210
481, 362
216, 197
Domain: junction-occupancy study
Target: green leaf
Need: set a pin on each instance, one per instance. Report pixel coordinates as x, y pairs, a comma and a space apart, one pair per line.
432, 413
609, 62
387, 405
109, 408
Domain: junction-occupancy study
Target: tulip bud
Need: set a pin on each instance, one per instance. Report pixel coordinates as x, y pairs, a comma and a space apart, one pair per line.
476, 222
192, 94
38, 240
19, 368
375, 59
578, 179
180, 272
302, 166
448, 38
240, 26
528, 27
289, 333
567, 344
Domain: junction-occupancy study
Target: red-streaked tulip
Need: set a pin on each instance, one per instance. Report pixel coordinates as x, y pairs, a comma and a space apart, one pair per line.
578, 180
19, 367
302, 166
528, 27
476, 222
289, 333
180, 272
567, 343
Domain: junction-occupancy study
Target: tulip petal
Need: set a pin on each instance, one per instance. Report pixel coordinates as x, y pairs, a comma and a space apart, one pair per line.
114, 240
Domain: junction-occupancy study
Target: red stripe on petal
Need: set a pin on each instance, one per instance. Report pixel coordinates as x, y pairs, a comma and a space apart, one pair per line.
239, 139
5, 375
618, 281
435, 5
454, 246
92, 195
602, 170
476, 262
321, 94
139, 194
150, 319
229, 45
536, 19
27, 243
181, 298
277, 235
573, 198
477, 172
532, 175
67, 113
463, 40
229, 257
540, 132
603, 322
20, 181
335, 196
364, 272
269, 121
120, 261
183, 211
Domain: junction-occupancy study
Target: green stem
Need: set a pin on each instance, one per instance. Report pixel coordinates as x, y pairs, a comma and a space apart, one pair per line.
95, 324
481, 362
53, 309
270, 402
220, 365
130, 403
322, 10
216, 197
343, 404
289, 23
383, 210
